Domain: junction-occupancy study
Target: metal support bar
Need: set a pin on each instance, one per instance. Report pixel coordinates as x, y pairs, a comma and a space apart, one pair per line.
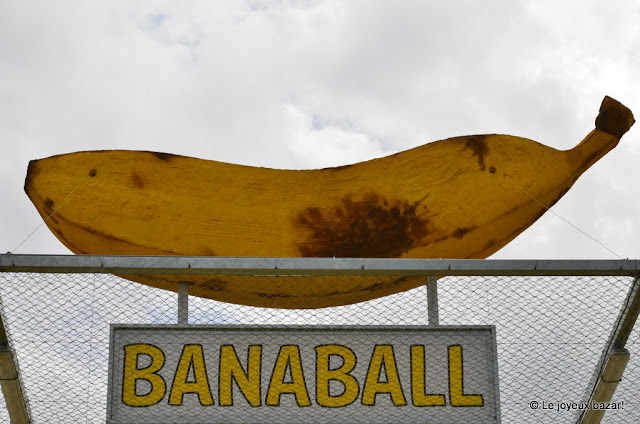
10, 382
12, 390
432, 300
629, 316
310, 266
183, 303
606, 386
613, 355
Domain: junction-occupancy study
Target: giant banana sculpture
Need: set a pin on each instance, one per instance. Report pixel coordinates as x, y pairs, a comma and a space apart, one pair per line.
464, 197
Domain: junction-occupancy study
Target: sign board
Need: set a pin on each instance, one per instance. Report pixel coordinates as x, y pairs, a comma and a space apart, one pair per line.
266, 374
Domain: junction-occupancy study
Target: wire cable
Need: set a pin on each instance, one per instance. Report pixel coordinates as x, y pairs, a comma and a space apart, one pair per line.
56, 210
564, 219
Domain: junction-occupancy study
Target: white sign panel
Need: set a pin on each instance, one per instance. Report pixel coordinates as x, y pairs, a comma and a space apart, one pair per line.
268, 374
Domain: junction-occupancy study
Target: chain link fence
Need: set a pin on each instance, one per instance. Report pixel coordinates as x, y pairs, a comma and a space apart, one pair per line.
551, 332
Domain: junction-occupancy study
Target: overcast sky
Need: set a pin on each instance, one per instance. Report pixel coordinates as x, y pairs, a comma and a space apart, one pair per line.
309, 84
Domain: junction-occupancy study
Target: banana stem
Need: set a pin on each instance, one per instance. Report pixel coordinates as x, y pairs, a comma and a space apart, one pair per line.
614, 118
613, 121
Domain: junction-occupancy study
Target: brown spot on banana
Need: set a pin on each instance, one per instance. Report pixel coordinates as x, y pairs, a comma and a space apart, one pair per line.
48, 204
49, 210
382, 285
163, 156
489, 244
274, 295
460, 232
213, 284
478, 145
207, 251
372, 288
371, 227
137, 180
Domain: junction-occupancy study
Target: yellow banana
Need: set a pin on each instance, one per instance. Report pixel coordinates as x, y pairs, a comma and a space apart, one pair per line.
464, 197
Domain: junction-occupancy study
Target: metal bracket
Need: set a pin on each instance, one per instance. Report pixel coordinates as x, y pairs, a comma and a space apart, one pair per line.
183, 303
432, 301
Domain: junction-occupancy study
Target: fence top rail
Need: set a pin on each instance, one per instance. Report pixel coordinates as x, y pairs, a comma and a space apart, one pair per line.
310, 266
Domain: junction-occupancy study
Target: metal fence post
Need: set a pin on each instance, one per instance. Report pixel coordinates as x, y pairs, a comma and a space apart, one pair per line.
432, 300
614, 357
10, 382
183, 303
607, 385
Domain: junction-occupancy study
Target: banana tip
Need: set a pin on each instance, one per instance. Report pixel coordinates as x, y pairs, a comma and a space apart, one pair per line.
614, 117
33, 170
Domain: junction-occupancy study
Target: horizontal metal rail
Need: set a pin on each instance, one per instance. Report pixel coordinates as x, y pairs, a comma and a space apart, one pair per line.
310, 266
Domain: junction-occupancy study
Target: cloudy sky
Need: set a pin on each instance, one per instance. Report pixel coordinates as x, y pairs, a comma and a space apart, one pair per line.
308, 84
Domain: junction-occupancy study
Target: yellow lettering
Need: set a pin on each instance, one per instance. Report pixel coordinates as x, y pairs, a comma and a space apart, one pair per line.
418, 384
382, 357
288, 357
192, 358
324, 375
231, 369
150, 374
456, 385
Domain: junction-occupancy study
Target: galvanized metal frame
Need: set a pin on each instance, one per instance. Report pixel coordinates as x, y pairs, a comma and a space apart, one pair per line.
311, 266
432, 301
183, 303
429, 268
